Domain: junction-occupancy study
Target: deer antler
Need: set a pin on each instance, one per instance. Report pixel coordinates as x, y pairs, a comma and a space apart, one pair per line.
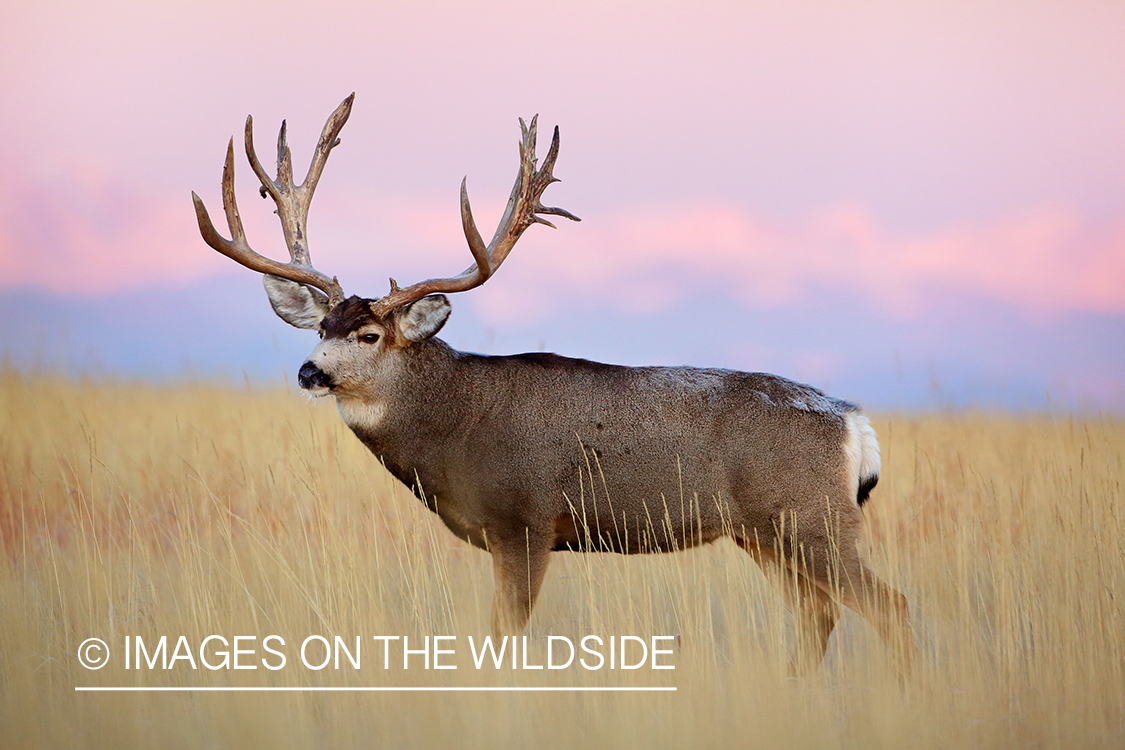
292, 207
522, 211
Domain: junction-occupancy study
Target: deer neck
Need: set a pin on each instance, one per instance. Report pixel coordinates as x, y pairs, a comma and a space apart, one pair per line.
413, 395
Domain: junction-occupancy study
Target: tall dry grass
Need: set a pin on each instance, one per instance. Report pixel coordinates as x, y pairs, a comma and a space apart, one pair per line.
192, 510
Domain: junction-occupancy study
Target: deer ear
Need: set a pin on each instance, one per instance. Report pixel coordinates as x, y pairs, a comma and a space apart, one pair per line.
296, 304
422, 319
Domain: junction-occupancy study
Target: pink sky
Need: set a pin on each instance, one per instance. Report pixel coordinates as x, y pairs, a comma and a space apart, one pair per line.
762, 151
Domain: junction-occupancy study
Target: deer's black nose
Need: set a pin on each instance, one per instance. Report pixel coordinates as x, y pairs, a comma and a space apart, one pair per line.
310, 376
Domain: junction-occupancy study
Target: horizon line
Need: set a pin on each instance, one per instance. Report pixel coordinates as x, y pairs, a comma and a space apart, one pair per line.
367, 689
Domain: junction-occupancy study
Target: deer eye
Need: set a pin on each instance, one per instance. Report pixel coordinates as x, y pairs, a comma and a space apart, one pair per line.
369, 338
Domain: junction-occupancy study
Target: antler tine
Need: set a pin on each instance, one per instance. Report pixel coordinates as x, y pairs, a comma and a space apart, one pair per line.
268, 186
292, 207
472, 235
329, 139
284, 159
520, 213
544, 177
230, 205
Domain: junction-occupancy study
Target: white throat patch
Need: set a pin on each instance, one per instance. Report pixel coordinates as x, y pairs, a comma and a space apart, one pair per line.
362, 415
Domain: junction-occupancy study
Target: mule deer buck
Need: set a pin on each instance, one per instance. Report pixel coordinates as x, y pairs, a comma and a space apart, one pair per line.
531, 454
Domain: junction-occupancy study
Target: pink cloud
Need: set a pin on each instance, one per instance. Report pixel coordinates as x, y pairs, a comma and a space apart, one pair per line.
88, 235
91, 235
1043, 262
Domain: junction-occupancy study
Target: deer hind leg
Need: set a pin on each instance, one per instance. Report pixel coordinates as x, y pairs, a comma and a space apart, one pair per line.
518, 567
880, 604
815, 612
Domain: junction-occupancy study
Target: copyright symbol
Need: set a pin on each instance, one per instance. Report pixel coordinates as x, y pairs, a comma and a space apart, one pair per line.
93, 653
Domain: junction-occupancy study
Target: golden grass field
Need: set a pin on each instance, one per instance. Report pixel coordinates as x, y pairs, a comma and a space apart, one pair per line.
137, 510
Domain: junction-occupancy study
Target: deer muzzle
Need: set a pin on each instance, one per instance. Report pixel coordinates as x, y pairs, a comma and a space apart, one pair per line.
312, 378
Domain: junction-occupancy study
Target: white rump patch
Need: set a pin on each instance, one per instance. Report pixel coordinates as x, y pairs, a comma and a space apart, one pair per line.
861, 448
361, 415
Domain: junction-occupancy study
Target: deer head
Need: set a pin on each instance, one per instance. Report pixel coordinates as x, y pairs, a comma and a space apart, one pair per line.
356, 331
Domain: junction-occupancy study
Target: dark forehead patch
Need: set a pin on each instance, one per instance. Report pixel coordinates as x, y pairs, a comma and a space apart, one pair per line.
350, 315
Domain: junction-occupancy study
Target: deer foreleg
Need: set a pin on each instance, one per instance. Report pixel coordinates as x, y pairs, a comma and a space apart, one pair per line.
518, 566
